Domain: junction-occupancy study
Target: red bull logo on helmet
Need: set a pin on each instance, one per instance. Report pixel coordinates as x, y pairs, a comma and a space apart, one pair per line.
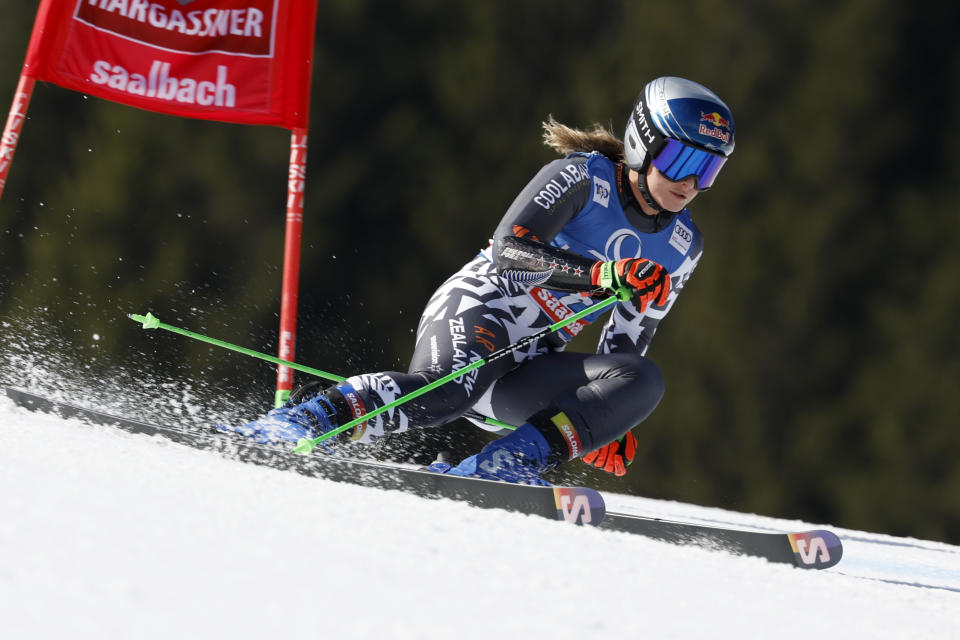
715, 119
719, 123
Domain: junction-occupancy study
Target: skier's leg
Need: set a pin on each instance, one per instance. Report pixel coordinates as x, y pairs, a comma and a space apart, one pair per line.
574, 403
603, 395
446, 344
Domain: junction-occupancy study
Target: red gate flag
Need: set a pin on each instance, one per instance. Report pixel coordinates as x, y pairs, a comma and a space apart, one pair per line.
243, 61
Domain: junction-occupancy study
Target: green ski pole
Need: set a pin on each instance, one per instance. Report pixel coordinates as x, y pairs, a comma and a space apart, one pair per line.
307, 445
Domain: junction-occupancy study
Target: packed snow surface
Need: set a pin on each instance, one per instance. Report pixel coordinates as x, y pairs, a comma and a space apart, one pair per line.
104, 534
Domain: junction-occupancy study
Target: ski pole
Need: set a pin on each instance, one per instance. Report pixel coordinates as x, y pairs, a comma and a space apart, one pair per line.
306, 445
150, 321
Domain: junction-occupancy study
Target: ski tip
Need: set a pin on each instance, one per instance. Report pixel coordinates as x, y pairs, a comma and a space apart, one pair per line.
817, 549
148, 321
579, 505
304, 446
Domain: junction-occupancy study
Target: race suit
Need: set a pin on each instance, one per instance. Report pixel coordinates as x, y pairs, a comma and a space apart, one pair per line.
584, 205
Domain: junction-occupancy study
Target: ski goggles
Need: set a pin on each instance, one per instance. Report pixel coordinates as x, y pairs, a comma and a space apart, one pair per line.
678, 160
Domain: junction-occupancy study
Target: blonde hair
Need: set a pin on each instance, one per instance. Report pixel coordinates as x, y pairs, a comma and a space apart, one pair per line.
566, 140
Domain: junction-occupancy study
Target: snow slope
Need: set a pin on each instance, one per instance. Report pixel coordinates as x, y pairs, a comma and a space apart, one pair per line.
109, 535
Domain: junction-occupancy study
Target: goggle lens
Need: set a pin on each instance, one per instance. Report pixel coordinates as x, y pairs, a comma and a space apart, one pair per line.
677, 161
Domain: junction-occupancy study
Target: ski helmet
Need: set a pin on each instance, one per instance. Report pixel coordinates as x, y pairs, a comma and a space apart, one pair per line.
683, 128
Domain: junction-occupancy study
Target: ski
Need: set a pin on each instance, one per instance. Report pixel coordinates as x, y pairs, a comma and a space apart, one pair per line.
816, 549
578, 505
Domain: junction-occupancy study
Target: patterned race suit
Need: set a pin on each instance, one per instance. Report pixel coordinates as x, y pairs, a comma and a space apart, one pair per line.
584, 205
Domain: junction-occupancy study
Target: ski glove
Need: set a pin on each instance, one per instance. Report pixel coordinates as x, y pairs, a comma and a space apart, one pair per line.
615, 457
649, 281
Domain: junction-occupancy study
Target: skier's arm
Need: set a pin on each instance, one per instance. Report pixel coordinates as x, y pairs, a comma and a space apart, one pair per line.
532, 263
555, 196
526, 261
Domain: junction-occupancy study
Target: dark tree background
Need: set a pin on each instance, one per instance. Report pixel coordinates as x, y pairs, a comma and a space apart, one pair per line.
812, 364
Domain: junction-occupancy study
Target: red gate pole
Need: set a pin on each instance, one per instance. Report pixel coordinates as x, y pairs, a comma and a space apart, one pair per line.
291, 262
11, 133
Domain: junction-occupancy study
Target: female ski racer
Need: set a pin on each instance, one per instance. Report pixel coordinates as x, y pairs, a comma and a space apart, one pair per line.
611, 213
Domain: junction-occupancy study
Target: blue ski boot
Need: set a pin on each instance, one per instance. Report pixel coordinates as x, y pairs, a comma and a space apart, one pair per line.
518, 457
296, 419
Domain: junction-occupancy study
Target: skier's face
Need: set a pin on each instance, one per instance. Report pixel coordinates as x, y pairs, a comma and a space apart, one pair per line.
669, 194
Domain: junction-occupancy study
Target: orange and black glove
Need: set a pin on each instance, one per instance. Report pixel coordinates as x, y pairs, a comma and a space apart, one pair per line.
649, 281
615, 457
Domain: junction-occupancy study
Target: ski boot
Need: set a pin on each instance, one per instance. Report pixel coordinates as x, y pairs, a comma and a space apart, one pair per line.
519, 457
307, 414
